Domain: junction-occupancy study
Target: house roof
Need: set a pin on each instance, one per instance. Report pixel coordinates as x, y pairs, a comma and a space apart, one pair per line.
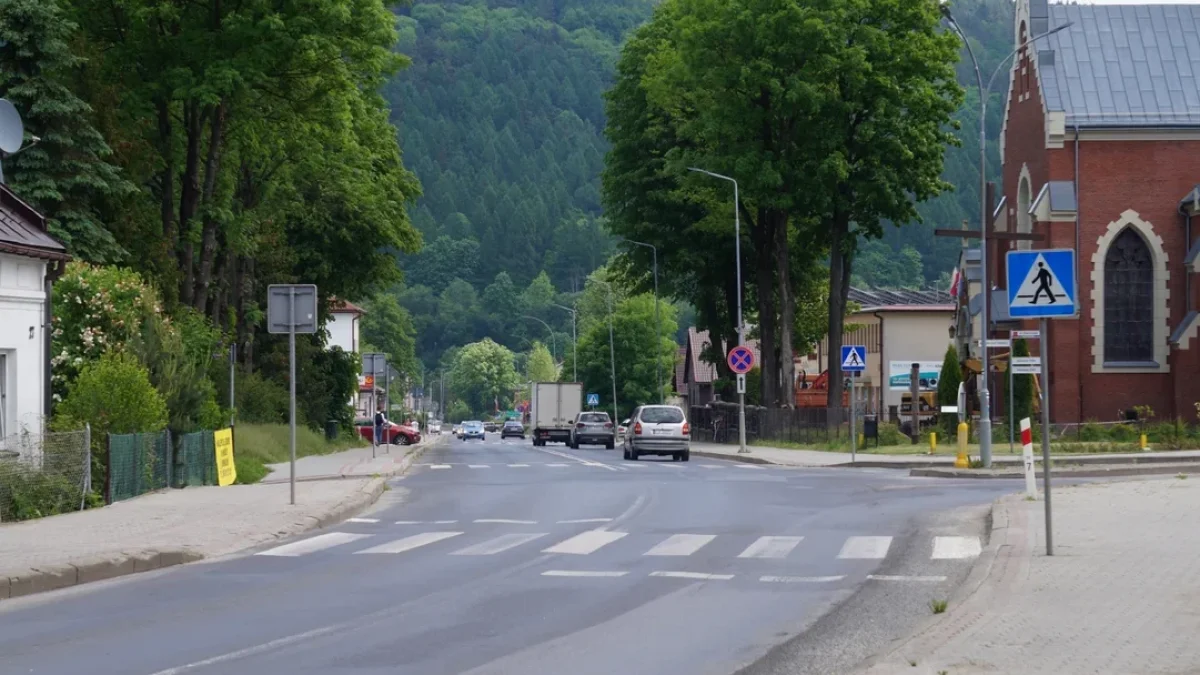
343, 307
902, 300
23, 230
1120, 65
1061, 194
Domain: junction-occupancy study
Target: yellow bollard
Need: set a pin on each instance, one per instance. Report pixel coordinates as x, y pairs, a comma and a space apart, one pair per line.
862, 440
961, 461
1145, 445
932, 442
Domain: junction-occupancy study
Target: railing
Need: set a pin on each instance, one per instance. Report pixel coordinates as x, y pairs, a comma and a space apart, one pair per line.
718, 423
44, 474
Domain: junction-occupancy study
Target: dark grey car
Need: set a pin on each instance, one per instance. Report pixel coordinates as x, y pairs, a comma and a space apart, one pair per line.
593, 428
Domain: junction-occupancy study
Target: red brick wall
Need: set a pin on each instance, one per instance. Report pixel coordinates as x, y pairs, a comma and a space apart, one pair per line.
1148, 177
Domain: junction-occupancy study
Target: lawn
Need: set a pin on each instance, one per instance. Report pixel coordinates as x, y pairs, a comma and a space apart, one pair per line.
256, 445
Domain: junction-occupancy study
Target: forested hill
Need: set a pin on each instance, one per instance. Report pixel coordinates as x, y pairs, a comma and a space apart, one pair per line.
501, 116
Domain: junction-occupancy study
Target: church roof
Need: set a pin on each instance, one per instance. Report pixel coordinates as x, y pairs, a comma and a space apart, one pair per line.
1120, 65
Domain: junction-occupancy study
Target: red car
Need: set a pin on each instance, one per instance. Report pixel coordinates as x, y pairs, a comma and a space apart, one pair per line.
393, 433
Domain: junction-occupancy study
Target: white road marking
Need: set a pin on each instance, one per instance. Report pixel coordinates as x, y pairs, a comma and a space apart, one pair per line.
866, 548
408, 522
556, 465
801, 580
692, 575
518, 466
444, 522
313, 544
573, 458
409, 543
584, 520
634, 466
681, 544
251, 651
593, 464
362, 520
478, 466
712, 466
748, 466
891, 577
506, 521
585, 542
439, 466
955, 548
501, 543
771, 547
581, 573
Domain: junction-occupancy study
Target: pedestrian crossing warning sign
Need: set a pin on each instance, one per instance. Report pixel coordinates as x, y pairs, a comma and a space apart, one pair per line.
1041, 283
854, 358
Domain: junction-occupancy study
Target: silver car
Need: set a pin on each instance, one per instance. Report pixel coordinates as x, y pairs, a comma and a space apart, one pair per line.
592, 428
658, 430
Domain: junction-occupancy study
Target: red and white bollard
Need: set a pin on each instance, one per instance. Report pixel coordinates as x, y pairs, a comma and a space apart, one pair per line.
1027, 455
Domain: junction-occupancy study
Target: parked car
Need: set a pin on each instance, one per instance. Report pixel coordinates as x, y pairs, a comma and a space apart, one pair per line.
623, 429
592, 428
513, 428
658, 430
457, 430
393, 434
472, 430
490, 427
435, 427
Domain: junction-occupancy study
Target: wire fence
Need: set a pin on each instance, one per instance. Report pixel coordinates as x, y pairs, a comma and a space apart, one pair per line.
718, 423
44, 474
195, 460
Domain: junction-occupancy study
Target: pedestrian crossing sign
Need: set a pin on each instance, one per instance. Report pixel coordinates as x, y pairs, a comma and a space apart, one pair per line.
1041, 284
854, 358
593, 399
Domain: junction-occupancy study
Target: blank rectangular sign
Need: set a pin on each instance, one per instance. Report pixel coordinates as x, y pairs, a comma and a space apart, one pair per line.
279, 319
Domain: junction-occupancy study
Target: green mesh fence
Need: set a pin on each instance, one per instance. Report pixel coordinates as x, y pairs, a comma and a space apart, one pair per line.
195, 461
138, 463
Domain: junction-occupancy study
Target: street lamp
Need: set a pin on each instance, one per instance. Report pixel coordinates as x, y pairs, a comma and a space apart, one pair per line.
741, 328
985, 405
657, 321
553, 342
574, 341
612, 353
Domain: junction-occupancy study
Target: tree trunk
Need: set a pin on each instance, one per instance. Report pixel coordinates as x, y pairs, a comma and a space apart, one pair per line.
208, 240
167, 202
764, 239
839, 290
787, 314
189, 196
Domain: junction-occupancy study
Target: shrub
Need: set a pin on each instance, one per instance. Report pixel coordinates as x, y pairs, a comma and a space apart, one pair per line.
115, 396
947, 390
1091, 432
1122, 433
260, 400
177, 353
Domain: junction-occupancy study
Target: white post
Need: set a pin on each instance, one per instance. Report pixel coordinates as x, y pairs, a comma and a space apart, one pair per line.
1027, 457
292, 389
1044, 343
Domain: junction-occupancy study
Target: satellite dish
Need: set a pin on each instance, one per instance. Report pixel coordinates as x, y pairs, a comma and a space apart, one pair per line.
12, 131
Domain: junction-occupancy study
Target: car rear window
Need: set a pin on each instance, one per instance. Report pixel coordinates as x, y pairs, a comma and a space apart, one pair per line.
593, 417
662, 415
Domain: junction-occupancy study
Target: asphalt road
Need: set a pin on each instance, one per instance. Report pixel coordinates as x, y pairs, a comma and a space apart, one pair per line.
498, 557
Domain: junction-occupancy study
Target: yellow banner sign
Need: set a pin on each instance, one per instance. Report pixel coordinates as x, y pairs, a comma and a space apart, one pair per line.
226, 469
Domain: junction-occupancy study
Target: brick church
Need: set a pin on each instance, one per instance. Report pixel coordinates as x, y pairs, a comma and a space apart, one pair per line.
1101, 153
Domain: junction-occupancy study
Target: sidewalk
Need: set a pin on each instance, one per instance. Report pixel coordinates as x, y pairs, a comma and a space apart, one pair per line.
766, 455
172, 527
355, 463
1118, 596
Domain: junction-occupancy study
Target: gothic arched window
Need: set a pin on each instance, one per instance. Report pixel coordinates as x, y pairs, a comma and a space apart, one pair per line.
1128, 299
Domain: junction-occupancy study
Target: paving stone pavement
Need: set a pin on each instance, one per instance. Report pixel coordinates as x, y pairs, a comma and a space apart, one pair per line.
1121, 595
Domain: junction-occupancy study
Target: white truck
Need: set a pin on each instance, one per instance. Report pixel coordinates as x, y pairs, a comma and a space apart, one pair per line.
555, 405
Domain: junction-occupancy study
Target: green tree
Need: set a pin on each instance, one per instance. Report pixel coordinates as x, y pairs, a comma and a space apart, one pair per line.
68, 174
947, 390
634, 338
388, 326
484, 376
540, 366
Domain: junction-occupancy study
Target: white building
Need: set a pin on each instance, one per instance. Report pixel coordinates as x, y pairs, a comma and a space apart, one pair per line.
30, 260
343, 325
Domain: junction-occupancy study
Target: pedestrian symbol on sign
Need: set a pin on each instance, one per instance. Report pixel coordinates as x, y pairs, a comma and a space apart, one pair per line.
1041, 283
1041, 287
593, 400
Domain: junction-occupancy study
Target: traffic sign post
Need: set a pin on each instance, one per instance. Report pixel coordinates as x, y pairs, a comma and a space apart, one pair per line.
741, 361
373, 364
1042, 285
291, 309
854, 361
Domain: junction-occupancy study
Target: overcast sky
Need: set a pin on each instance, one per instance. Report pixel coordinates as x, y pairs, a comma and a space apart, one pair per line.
1136, 2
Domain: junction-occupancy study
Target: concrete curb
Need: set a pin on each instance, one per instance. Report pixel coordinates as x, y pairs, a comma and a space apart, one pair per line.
745, 459
1001, 565
73, 574
1062, 472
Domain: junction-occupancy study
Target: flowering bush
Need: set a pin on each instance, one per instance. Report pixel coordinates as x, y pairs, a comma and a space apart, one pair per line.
95, 309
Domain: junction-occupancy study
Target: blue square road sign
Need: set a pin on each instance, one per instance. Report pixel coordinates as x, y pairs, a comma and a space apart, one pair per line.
1041, 284
854, 358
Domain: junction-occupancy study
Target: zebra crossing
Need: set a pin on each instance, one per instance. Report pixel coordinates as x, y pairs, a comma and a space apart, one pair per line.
777, 550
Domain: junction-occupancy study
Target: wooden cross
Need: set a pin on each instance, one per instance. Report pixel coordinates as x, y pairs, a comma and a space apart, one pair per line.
965, 233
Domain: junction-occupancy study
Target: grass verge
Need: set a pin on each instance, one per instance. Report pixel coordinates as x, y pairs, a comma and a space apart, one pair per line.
256, 445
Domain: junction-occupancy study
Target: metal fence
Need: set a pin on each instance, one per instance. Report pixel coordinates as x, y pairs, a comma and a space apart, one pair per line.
718, 423
44, 474
137, 464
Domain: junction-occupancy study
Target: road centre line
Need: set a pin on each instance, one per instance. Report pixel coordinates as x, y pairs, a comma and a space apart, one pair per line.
801, 580
579, 573
506, 521
692, 575
901, 577
573, 458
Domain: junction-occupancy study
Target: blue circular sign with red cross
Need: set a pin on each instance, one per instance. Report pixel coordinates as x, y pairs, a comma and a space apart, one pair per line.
741, 359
